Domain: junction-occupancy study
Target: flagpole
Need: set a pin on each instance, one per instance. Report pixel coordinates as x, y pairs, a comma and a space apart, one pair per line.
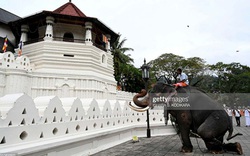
20, 48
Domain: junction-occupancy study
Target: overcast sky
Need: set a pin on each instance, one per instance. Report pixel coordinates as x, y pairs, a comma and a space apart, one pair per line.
217, 28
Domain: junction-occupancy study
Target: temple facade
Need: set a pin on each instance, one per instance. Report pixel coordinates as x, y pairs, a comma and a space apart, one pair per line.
58, 94
63, 53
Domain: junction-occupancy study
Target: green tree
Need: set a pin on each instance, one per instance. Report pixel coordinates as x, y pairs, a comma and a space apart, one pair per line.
232, 77
132, 79
126, 75
167, 63
233, 80
120, 58
228, 83
194, 66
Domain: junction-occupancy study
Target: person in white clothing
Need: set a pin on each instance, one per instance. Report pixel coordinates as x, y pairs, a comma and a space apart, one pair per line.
183, 79
247, 117
230, 113
237, 116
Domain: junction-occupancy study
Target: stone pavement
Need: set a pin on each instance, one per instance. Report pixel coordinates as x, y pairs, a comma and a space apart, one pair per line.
170, 145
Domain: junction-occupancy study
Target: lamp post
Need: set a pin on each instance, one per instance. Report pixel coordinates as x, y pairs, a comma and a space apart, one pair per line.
145, 77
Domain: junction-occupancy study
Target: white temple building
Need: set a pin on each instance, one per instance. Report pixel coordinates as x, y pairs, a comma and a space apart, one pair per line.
64, 53
59, 97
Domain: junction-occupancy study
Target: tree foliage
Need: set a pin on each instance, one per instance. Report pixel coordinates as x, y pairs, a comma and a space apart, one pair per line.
126, 75
167, 63
231, 78
232, 81
229, 83
120, 58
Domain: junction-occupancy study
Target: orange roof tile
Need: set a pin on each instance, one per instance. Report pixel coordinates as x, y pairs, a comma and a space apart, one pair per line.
69, 9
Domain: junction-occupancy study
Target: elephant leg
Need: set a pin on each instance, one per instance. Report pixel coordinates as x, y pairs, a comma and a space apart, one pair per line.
166, 114
184, 122
215, 145
234, 147
212, 131
186, 142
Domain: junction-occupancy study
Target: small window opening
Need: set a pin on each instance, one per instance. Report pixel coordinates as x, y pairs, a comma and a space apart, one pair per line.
68, 55
68, 37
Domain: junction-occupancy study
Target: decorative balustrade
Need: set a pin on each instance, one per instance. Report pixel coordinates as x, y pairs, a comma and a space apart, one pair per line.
24, 119
8, 60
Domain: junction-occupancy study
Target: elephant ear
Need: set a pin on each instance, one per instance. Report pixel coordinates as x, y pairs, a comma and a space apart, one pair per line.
163, 79
161, 87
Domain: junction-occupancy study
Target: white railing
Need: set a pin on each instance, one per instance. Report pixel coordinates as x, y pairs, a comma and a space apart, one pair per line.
8, 60
27, 122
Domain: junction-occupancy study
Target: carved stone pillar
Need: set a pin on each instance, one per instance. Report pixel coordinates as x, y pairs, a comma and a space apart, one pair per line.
49, 28
24, 35
88, 34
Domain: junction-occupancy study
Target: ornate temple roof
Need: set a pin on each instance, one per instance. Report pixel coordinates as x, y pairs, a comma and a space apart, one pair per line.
67, 13
69, 9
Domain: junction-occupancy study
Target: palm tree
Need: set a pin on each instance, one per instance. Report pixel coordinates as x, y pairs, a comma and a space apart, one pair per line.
121, 60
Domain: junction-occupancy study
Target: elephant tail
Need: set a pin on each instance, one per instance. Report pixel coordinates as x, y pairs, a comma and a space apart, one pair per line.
230, 132
229, 138
230, 129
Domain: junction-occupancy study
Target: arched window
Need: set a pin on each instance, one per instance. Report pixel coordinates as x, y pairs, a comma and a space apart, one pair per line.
68, 37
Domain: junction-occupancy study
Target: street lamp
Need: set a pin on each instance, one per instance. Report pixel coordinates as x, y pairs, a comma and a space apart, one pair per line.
145, 77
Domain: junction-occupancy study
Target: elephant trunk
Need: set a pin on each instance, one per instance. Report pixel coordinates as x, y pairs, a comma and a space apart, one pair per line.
141, 103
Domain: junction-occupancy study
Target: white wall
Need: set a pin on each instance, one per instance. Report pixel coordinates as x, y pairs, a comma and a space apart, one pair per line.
19, 76
46, 123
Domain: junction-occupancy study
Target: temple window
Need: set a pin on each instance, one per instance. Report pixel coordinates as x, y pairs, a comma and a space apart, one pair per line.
68, 37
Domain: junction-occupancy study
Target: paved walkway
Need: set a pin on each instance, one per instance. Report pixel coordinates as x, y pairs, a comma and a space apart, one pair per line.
170, 145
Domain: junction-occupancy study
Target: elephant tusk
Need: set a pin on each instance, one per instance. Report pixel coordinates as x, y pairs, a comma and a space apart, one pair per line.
138, 109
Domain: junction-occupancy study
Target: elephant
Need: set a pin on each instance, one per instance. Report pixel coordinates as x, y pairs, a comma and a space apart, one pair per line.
204, 117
